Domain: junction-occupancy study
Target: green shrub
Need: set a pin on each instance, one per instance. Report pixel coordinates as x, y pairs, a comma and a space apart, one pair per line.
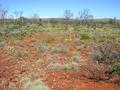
85, 36
115, 69
19, 34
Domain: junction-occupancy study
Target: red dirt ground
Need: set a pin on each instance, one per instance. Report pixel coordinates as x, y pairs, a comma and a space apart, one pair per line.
12, 69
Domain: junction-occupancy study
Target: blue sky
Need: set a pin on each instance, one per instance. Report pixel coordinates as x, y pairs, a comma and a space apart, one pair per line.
56, 8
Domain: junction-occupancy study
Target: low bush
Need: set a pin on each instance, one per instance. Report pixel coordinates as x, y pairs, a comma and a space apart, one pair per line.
39, 62
33, 75
20, 53
33, 85
105, 53
65, 67
42, 47
50, 38
10, 50
15, 52
59, 48
94, 71
114, 69
71, 67
85, 36
56, 66
77, 42
75, 57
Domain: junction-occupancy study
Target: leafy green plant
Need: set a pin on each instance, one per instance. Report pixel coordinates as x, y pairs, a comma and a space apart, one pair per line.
85, 36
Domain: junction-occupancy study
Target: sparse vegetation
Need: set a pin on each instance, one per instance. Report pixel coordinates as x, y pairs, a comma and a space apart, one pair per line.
59, 48
2, 44
12, 86
10, 50
65, 52
114, 69
15, 52
75, 57
39, 62
33, 85
85, 36
21, 53
66, 67
50, 38
105, 53
42, 47
77, 42
95, 71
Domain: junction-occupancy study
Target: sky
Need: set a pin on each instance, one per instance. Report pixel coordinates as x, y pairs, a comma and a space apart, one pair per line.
56, 8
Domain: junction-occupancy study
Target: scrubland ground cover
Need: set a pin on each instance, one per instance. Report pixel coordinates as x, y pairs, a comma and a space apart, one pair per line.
59, 56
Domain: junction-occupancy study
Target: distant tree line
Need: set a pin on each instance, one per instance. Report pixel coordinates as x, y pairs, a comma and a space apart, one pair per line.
83, 18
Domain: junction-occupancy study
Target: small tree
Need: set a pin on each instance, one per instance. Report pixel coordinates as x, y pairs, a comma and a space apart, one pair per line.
3, 14
67, 16
113, 22
19, 17
84, 16
35, 18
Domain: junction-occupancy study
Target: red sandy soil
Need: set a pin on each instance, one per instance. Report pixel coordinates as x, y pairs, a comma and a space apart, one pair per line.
12, 69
